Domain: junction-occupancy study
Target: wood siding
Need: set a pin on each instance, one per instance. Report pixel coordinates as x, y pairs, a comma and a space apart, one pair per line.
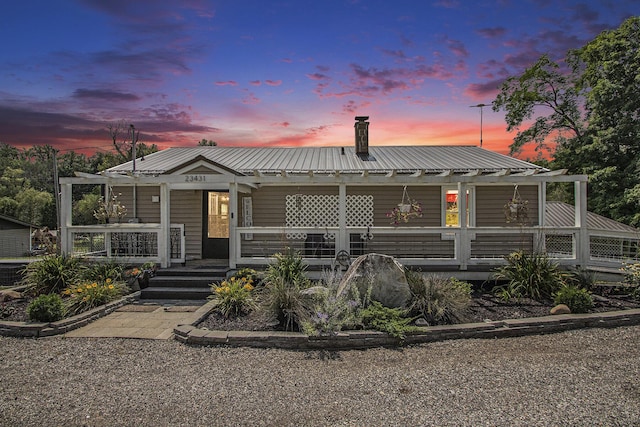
14, 242
385, 198
490, 201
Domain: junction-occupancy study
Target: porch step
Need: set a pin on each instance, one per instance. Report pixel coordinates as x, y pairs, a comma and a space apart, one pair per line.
182, 284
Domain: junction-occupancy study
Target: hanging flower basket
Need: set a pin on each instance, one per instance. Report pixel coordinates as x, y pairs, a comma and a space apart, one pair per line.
407, 209
517, 209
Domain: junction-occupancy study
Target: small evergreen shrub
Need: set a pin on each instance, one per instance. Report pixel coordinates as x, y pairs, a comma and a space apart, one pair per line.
528, 276
233, 296
46, 308
393, 321
437, 299
578, 300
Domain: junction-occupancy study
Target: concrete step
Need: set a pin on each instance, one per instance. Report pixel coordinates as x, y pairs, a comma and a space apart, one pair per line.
174, 293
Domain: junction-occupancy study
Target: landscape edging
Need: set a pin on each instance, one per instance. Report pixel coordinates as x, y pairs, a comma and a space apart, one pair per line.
345, 340
38, 329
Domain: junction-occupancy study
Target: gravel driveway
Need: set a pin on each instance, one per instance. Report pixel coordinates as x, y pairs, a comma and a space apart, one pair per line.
578, 378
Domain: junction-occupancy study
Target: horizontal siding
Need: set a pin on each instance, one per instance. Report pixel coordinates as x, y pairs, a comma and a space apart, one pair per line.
147, 211
15, 242
385, 198
490, 202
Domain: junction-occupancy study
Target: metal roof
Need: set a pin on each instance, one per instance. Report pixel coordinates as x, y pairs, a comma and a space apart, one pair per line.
246, 160
559, 214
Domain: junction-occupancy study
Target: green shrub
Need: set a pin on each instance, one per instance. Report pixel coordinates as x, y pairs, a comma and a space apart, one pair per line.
284, 281
46, 308
393, 321
233, 296
578, 300
528, 276
439, 300
51, 274
85, 296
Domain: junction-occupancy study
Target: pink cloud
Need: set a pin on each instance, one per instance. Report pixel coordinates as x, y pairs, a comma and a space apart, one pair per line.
227, 83
255, 82
273, 82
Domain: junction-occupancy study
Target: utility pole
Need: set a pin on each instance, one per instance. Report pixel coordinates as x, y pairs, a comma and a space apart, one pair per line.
475, 106
56, 194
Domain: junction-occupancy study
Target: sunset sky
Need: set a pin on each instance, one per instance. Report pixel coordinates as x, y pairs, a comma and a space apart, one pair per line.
281, 72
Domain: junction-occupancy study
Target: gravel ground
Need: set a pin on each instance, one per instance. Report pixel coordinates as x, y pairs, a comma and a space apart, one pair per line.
578, 378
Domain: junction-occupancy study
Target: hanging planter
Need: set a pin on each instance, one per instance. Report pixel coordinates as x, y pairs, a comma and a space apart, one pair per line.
408, 208
516, 210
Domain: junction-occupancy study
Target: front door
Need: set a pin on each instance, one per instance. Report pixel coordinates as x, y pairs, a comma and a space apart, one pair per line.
215, 227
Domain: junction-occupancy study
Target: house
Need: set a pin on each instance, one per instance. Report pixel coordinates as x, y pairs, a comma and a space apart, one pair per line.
15, 237
244, 204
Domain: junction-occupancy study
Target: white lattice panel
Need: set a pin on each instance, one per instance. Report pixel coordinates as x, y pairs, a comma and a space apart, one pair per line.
304, 210
360, 211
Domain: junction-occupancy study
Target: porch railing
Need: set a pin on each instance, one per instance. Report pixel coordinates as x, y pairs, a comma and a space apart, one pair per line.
438, 246
126, 243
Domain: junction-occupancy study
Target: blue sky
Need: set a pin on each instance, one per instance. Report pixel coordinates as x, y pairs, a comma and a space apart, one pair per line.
276, 72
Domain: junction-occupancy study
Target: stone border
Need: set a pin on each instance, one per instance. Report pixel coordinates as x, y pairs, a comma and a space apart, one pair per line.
37, 330
190, 334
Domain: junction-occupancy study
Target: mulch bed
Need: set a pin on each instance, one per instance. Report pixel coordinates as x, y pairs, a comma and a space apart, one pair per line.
484, 307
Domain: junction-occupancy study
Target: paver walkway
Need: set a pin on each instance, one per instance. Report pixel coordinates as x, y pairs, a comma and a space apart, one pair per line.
148, 321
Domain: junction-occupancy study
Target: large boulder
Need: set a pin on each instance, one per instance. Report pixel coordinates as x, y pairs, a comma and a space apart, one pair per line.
384, 274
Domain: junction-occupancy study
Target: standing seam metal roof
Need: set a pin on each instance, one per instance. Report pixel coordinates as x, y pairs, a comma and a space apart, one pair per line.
324, 159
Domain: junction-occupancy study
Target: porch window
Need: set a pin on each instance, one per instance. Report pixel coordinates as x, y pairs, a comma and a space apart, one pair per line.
452, 214
218, 215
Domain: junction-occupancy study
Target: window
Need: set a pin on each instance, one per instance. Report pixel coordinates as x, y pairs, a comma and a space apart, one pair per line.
218, 215
451, 212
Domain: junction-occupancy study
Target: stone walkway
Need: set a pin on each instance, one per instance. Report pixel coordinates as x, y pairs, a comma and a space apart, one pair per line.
147, 321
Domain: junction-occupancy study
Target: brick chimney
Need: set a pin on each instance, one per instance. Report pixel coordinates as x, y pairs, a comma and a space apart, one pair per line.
362, 135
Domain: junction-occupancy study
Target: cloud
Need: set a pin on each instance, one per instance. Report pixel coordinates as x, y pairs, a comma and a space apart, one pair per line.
491, 33
255, 83
458, 48
273, 82
226, 83
105, 95
482, 91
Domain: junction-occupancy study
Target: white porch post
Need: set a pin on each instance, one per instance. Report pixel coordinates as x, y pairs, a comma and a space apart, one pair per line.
539, 239
234, 237
342, 239
583, 249
66, 214
464, 252
164, 239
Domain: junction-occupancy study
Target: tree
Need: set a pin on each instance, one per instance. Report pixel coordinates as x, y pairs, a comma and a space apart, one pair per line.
592, 114
609, 69
207, 143
542, 88
123, 137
